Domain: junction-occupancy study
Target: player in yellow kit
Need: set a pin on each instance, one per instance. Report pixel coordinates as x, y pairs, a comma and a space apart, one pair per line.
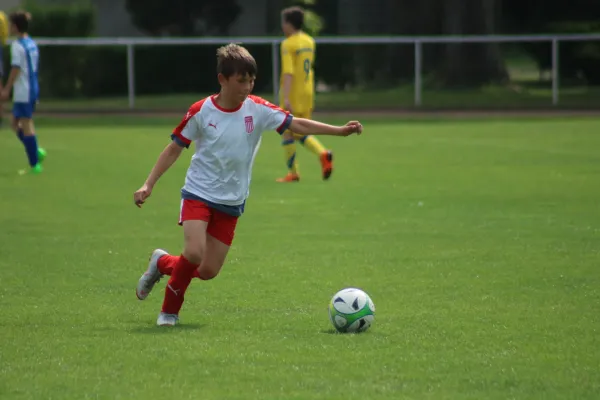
296, 92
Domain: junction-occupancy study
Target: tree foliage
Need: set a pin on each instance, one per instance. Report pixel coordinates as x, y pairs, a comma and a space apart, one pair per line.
183, 17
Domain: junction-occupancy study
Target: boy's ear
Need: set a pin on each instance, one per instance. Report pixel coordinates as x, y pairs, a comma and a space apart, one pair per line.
222, 79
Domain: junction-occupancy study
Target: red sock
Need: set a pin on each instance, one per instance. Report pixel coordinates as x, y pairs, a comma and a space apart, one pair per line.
182, 274
168, 262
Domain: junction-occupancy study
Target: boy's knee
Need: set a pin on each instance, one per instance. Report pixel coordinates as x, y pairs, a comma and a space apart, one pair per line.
194, 255
287, 135
27, 126
208, 272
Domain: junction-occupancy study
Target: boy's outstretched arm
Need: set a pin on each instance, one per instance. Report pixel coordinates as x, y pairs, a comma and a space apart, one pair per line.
310, 127
168, 156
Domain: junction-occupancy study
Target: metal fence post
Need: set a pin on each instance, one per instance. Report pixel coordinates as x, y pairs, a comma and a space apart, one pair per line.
418, 72
275, 78
417, 41
130, 75
555, 71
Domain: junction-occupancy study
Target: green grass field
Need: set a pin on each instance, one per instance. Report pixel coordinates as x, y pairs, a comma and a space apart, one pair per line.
479, 242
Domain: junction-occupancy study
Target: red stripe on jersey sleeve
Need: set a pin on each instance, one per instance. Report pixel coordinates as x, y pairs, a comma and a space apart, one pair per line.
260, 100
192, 111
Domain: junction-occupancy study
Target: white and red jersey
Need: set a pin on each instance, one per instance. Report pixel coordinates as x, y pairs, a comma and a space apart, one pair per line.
226, 144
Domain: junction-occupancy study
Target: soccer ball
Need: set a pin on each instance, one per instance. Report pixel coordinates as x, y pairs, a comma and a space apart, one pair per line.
351, 310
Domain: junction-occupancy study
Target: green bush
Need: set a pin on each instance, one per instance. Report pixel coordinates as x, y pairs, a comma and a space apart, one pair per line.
576, 59
94, 71
579, 59
104, 72
189, 69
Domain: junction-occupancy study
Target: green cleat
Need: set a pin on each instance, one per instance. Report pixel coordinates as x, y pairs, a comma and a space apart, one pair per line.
35, 170
41, 154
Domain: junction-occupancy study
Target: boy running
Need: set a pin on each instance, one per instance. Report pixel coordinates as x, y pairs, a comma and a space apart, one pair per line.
226, 129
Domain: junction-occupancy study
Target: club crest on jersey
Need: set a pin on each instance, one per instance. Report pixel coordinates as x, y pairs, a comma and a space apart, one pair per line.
249, 124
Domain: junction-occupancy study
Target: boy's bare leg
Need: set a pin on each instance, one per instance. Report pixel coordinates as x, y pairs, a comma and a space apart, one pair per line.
214, 258
194, 237
203, 257
216, 253
27, 125
162, 263
194, 233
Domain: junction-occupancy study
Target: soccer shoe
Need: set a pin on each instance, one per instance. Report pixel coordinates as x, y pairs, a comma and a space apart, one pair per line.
327, 164
289, 178
165, 319
41, 154
36, 169
151, 276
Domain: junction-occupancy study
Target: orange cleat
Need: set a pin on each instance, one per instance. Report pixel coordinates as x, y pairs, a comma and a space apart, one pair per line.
289, 178
327, 164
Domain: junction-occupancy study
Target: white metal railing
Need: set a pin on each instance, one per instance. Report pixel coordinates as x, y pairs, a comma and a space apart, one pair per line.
274, 42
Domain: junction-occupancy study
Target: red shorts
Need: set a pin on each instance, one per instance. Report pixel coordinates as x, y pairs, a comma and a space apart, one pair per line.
221, 226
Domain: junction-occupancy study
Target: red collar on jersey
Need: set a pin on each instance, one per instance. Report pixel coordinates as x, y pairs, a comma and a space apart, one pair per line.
227, 110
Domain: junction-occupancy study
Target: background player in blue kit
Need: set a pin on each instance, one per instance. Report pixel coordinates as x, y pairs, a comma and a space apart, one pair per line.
24, 83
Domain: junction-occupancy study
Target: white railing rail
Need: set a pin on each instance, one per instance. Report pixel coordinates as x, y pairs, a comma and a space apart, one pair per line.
416, 41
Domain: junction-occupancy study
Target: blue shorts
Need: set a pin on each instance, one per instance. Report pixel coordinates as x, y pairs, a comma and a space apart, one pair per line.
23, 110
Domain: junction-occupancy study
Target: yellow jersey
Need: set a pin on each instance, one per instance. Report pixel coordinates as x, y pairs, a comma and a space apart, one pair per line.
297, 58
3, 28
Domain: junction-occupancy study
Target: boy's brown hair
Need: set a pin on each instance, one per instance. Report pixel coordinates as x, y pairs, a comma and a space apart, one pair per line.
234, 59
294, 16
21, 20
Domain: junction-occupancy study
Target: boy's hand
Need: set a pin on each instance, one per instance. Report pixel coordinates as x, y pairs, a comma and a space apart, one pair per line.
352, 127
141, 195
4, 94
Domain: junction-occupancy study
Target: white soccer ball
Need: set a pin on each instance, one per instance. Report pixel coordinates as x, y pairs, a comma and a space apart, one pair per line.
351, 310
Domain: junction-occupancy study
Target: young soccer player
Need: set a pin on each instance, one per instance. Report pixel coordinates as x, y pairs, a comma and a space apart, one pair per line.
226, 129
23, 80
297, 91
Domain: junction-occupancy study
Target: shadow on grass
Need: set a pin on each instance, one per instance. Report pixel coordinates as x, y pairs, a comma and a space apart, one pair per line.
153, 329
332, 331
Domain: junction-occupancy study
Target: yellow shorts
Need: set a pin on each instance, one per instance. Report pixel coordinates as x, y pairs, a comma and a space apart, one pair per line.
307, 114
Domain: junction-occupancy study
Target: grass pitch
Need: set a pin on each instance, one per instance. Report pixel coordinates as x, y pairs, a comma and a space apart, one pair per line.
479, 242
